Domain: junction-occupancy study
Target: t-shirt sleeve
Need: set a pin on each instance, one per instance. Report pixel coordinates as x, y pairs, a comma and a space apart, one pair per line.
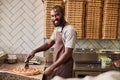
53, 35
70, 39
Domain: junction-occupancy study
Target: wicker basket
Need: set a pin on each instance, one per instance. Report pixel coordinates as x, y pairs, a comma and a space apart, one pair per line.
110, 19
93, 19
111, 1
94, 3
75, 10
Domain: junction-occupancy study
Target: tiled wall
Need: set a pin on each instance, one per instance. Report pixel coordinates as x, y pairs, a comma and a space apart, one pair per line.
22, 26
98, 44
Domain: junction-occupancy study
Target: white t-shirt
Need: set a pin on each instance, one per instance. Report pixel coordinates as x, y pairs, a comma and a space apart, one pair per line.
68, 35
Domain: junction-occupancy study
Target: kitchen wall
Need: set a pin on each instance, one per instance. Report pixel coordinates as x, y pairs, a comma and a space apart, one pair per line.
21, 25
22, 28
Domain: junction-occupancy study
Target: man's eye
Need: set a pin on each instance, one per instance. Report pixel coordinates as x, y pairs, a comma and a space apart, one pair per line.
52, 15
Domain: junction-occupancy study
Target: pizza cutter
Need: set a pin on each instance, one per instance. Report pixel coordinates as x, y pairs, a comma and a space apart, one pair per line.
27, 64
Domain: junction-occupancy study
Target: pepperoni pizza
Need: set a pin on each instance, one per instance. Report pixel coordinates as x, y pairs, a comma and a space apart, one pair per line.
30, 71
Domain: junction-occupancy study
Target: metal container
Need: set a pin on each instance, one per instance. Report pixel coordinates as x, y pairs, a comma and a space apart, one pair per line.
11, 59
86, 57
114, 55
3, 57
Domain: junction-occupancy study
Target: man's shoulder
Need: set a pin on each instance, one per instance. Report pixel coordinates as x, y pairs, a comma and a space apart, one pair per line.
69, 27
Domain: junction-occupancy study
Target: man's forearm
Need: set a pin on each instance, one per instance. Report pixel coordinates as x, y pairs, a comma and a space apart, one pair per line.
43, 47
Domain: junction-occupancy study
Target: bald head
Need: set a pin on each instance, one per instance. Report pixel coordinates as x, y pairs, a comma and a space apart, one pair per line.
60, 8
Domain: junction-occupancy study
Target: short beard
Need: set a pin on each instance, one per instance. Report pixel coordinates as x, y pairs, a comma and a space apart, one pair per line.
60, 23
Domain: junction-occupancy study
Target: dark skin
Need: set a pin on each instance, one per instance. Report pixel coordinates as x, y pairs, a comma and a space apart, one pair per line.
56, 17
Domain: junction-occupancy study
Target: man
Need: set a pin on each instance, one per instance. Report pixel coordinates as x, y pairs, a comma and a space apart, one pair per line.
64, 37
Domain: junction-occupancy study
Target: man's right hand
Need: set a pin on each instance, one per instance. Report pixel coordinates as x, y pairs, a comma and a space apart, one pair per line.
31, 55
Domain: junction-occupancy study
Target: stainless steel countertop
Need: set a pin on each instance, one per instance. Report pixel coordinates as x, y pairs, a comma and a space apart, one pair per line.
93, 67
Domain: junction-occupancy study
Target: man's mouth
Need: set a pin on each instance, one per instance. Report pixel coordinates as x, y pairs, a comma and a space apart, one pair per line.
56, 22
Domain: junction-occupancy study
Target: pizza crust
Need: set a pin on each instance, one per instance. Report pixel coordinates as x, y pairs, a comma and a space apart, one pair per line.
29, 72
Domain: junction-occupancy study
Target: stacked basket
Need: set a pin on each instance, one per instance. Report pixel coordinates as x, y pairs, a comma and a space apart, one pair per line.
93, 19
48, 23
110, 19
75, 15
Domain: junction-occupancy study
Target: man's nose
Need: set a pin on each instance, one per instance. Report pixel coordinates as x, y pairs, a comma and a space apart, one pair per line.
54, 17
